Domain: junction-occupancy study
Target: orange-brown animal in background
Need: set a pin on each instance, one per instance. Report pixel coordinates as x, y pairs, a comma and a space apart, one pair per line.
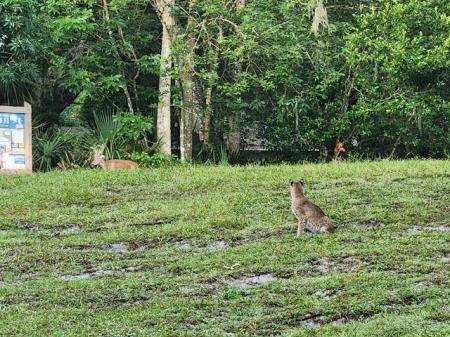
113, 164
338, 148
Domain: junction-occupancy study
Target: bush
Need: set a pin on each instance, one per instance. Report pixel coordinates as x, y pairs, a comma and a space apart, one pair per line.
156, 160
61, 148
132, 127
122, 133
47, 150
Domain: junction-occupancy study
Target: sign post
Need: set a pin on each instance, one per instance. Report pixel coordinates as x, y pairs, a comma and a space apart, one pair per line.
15, 139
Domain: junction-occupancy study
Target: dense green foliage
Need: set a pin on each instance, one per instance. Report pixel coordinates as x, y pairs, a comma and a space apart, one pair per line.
173, 252
299, 73
400, 56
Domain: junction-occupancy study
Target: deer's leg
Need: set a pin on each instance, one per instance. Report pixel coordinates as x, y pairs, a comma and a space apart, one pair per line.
301, 227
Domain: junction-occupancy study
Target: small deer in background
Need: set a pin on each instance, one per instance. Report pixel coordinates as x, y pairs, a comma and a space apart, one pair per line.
113, 164
338, 148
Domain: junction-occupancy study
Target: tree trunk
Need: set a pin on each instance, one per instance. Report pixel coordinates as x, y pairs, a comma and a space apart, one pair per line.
163, 133
187, 78
206, 123
234, 133
234, 128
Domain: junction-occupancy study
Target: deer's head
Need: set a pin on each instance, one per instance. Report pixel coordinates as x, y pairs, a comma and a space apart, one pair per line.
98, 158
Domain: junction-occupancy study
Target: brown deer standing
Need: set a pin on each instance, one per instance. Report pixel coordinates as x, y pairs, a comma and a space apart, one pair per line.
338, 148
113, 164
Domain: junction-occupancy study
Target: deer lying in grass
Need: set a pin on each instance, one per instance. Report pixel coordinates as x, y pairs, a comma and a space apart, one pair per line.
113, 164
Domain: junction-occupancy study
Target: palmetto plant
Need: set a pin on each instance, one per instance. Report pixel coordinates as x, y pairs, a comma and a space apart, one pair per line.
48, 149
105, 129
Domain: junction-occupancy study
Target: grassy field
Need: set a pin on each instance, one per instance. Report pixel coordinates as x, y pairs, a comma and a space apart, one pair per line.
211, 251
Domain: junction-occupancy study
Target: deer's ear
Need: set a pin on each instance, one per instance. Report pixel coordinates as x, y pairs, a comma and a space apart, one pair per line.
291, 182
302, 182
103, 156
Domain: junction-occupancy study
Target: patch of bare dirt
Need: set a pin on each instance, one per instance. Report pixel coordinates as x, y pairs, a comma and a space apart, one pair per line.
439, 228
67, 229
116, 247
70, 230
100, 272
119, 247
87, 275
217, 245
347, 319
183, 244
426, 283
316, 320
245, 281
325, 293
199, 289
326, 265
309, 320
28, 225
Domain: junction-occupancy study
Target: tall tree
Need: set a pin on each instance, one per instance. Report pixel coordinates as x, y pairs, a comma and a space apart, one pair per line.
234, 123
163, 127
189, 106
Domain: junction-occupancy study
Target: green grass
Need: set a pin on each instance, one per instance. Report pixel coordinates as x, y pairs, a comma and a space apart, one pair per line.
384, 272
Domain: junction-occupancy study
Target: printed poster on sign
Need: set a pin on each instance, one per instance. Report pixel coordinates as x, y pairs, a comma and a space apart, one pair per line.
12, 144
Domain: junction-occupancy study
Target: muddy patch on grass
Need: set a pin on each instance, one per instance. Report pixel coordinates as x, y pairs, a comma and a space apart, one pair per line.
347, 319
370, 224
217, 245
199, 289
245, 281
116, 247
324, 265
100, 272
425, 228
327, 265
183, 244
326, 294
132, 269
28, 225
67, 230
87, 275
309, 320
191, 244
317, 320
426, 283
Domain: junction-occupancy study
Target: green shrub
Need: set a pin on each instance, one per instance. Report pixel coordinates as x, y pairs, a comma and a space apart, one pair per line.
156, 160
132, 127
61, 148
121, 133
47, 150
